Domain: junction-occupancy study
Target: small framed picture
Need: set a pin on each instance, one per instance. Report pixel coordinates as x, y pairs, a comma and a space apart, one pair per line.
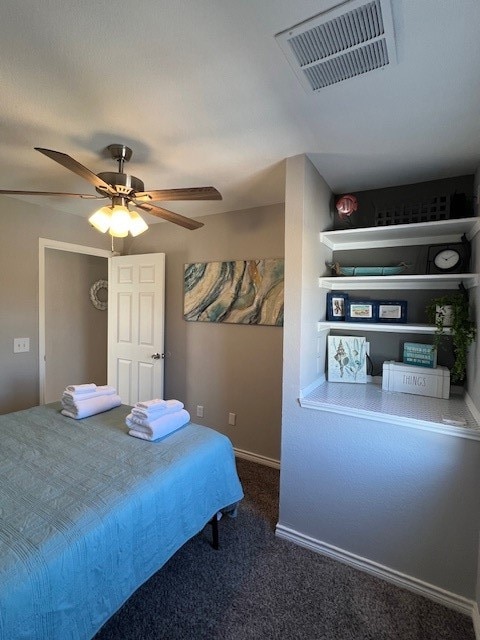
361, 311
336, 305
392, 310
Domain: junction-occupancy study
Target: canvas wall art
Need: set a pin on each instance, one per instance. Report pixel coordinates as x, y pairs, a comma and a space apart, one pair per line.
347, 359
239, 292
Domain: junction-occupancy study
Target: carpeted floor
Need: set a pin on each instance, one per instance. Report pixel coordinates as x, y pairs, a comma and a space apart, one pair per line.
257, 586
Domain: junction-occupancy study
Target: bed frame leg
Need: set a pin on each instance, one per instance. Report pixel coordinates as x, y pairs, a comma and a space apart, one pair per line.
214, 523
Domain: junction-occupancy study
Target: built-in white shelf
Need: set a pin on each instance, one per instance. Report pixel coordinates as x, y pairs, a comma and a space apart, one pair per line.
430, 281
420, 233
371, 402
379, 327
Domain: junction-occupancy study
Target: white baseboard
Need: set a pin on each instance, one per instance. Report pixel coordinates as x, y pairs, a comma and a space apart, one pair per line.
255, 457
451, 600
476, 621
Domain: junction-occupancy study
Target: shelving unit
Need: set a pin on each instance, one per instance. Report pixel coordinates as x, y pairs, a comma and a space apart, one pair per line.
378, 327
369, 400
395, 235
446, 281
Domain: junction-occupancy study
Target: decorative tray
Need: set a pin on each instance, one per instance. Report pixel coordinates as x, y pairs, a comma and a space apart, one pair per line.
337, 270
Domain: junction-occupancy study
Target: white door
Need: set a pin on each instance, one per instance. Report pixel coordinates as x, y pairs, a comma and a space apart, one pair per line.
136, 309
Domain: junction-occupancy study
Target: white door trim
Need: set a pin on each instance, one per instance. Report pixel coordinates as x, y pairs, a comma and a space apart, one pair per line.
43, 245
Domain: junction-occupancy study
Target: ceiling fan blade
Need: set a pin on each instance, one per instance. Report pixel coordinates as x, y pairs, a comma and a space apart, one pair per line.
193, 193
86, 196
69, 163
188, 223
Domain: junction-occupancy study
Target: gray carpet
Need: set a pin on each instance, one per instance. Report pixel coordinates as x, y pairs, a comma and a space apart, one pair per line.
258, 586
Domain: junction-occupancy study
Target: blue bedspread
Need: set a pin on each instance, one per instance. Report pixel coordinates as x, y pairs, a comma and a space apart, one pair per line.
88, 513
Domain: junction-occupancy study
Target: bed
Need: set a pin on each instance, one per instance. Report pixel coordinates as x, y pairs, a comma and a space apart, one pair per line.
88, 513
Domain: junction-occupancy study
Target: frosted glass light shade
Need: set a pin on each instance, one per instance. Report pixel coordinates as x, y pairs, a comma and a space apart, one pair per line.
119, 222
101, 219
137, 224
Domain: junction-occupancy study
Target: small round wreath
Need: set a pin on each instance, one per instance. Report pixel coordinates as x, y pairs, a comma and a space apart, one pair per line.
101, 305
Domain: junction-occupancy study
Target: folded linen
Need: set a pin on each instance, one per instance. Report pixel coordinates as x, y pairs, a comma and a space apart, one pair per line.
161, 427
91, 406
132, 420
139, 434
103, 390
149, 404
81, 388
140, 425
168, 406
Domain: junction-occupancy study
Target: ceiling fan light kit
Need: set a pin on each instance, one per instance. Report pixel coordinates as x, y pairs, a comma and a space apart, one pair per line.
137, 224
101, 219
119, 221
123, 190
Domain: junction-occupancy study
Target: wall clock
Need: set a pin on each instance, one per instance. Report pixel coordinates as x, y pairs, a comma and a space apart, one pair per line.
453, 257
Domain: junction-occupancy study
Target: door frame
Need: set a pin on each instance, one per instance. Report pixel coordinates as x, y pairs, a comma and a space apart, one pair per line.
43, 245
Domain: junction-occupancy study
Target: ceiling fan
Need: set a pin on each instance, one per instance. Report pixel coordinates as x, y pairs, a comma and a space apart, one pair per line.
123, 190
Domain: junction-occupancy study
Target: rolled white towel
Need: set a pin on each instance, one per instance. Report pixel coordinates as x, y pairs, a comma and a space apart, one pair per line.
91, 406
103, 390
81, 388
168, 406
161, 427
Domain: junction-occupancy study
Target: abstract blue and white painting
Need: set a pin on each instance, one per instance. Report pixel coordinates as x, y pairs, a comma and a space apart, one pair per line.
239, 291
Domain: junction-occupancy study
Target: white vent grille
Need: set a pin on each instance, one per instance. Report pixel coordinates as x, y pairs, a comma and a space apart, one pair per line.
347, 41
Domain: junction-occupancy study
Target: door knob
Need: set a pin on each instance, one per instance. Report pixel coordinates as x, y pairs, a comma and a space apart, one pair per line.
157, 356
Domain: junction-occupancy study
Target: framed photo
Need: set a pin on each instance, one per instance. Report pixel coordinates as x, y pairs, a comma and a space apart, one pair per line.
336, 305
392, 310
361, 311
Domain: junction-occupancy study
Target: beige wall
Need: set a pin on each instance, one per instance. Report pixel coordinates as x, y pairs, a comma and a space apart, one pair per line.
226, 368
76, 332
223, 367
22, 225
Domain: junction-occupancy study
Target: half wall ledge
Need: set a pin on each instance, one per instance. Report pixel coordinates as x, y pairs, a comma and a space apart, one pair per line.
369, 401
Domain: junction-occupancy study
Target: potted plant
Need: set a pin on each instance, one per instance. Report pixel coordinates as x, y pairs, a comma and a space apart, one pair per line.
451, 312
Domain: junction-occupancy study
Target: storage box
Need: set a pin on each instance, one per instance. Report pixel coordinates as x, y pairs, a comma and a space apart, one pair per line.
417, 380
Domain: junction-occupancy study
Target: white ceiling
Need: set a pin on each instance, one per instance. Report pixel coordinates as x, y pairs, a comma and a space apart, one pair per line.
202, 93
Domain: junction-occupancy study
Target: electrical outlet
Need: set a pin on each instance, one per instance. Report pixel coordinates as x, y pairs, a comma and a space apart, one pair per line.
232, 419
199, 411
21, 345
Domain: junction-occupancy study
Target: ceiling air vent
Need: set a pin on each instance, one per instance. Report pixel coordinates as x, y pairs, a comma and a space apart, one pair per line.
346, 41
